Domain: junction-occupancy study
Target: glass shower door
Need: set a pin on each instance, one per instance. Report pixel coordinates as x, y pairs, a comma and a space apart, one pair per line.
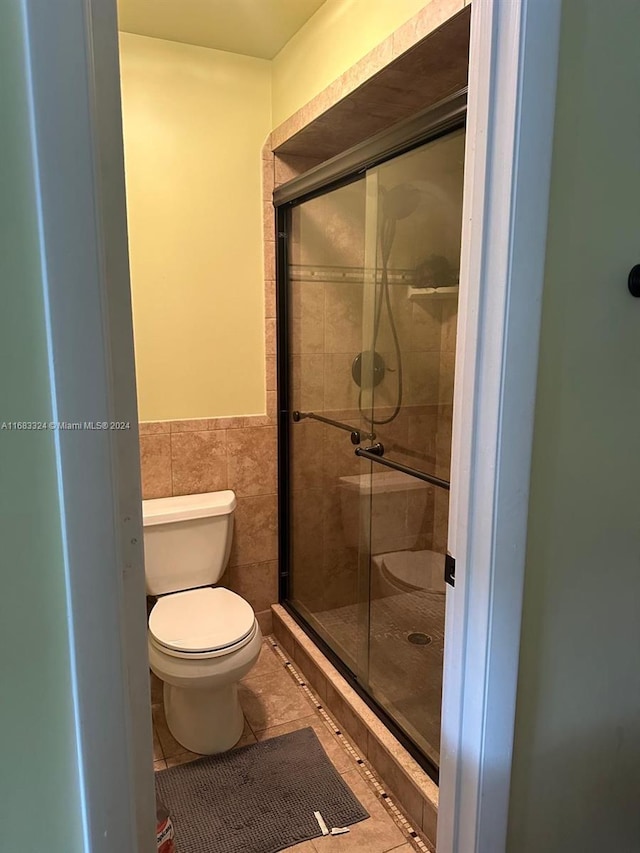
371, 295
407, 401
327, 309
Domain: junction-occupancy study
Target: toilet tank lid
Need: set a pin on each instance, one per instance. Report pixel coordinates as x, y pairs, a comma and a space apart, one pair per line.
186, 507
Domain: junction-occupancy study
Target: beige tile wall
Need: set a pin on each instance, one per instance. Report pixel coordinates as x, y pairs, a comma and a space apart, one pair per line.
324, 341
349, 109
445, 418
191, 457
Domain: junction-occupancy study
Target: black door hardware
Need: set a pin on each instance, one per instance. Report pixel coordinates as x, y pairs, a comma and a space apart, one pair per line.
633, 281
375, 454
356, 435
450, 570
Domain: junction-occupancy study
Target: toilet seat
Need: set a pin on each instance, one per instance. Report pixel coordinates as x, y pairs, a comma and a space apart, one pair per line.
201, 623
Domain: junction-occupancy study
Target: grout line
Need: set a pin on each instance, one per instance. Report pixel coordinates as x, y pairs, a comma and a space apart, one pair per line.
156, 737
404, 824
171, 461
250, 727
226, 456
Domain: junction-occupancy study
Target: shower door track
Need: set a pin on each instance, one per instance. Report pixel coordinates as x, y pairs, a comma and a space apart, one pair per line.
438, 120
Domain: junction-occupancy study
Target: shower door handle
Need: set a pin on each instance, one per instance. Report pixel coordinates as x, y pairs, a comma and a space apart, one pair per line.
375, 454
356, 435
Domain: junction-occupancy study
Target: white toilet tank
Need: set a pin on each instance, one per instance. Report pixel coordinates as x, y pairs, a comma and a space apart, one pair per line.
187, 540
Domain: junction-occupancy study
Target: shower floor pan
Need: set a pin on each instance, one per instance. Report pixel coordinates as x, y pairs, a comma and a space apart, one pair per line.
404, 777
405, 678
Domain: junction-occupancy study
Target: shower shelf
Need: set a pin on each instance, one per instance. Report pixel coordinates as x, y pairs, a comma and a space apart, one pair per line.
347, 275
419, 294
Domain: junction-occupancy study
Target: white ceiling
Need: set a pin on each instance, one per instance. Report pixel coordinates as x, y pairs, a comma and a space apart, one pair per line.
251, 27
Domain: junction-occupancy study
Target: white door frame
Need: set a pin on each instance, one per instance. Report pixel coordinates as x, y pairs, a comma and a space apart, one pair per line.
512, 93
78, 167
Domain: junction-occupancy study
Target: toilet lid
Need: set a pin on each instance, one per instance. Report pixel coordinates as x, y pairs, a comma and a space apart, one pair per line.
201, 620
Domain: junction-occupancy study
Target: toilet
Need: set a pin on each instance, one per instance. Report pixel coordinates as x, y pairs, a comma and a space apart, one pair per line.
202, 639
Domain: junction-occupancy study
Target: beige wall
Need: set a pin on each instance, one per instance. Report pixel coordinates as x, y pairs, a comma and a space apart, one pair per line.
576, 772
339, 34
195, 121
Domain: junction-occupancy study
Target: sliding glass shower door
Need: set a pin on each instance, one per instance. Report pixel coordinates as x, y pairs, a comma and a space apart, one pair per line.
370, 294
326, 314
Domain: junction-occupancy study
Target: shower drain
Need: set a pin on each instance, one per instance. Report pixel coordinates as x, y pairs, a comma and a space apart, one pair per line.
419, 639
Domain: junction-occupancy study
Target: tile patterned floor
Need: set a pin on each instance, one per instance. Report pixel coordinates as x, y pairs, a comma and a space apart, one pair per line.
405, 678
276, 700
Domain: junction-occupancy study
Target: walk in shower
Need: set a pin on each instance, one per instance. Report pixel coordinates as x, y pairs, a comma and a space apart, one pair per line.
368, 263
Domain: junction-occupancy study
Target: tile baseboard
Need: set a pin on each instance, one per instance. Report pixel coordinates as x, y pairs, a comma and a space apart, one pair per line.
265, 621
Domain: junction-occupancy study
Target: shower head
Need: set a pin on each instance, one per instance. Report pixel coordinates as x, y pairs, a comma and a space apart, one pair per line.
400, 201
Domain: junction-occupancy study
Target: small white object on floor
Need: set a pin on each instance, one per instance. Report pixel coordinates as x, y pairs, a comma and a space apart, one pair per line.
339, 830
323, 826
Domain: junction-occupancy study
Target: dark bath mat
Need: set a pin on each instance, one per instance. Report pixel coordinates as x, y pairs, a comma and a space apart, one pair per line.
257, 799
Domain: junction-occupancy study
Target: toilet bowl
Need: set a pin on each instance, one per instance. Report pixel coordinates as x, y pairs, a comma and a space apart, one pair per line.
202, 639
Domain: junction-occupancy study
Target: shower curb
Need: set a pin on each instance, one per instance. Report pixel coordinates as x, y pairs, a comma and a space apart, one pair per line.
414, 838
415, 792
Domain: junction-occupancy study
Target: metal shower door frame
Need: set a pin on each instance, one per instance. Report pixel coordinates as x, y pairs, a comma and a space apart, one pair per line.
431, 124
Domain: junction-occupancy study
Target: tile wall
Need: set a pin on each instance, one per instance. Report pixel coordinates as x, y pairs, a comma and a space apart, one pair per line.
326, 505
329, 322
190, 457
